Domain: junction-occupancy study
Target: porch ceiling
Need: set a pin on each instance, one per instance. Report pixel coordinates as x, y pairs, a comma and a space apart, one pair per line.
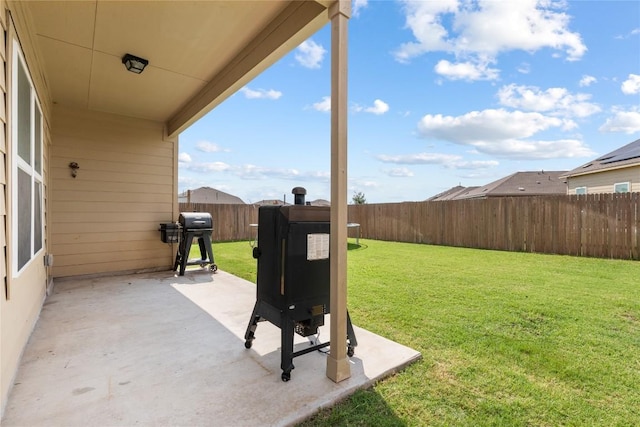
199, 52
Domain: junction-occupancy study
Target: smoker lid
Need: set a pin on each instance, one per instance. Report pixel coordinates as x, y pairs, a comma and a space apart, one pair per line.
195, 220
302, 213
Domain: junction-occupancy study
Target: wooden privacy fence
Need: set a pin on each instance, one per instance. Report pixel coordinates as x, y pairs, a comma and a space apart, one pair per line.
595, 225
230, 222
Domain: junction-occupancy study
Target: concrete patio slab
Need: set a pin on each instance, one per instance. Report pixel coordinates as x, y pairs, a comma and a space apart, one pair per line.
159, 349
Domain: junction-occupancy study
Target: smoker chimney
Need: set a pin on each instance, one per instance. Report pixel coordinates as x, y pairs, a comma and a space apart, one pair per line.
298, 194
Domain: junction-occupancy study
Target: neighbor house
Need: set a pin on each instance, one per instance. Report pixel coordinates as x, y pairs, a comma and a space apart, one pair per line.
615, 172
95, 95
519, 184
208, 195
450, 194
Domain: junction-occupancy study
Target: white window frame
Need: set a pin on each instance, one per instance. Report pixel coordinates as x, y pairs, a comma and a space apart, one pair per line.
627, 183
583, 188
19, 164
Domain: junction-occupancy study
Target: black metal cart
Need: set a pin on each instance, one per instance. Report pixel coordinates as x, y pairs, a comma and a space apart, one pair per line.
195, 225
293, 281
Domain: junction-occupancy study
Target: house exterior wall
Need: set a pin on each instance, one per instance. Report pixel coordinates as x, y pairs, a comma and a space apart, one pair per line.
23, 292
106, 219
602, 182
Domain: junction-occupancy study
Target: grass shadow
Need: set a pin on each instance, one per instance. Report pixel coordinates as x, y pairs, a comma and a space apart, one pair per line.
353, 246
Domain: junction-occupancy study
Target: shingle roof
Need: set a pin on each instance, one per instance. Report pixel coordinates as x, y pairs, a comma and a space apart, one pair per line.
521, 184
628, 155
208, 195
535, 183
451, 193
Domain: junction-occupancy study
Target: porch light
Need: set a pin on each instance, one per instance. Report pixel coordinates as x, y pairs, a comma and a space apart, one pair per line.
133, 63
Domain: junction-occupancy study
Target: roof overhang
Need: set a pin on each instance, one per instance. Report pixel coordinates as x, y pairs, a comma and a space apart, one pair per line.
199, 52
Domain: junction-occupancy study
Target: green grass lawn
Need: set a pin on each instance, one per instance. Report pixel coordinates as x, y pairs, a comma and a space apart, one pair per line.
509, 339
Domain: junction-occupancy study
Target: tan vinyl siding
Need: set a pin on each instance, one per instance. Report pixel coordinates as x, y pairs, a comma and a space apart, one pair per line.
107, 218
602, 182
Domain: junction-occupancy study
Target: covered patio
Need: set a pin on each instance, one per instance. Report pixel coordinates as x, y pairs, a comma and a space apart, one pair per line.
162, 349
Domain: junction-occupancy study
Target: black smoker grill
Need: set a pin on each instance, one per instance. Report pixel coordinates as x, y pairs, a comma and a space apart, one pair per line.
200, 225
293, 276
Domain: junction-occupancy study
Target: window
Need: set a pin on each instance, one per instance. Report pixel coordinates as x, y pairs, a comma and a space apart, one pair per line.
621, 187
581, 190
26, 132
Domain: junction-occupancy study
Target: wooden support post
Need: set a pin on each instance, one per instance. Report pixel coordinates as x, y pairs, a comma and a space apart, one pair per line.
338, 368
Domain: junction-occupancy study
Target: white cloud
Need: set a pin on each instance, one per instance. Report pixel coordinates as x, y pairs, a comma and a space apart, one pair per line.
424, 19
358, 5
253, 172
484, 125
324, 105
632, 33
587, 80
528, 25
184, 158
466, 71
622, 121
310, 54
631, 86
209, 147
260, 93
207, 166
419, 159
503, 133
476, 164
379, 107
535, 150
450, 161
557, 101
524, 68
399, 172
359, 183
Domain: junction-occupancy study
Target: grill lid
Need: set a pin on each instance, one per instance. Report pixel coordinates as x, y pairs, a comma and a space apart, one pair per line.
195, 220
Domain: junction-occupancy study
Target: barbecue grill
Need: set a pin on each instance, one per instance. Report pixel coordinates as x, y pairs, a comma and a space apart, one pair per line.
293, 281
195, 225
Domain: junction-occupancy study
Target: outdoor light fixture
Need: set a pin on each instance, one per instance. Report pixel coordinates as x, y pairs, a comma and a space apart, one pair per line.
74, 168
133, 63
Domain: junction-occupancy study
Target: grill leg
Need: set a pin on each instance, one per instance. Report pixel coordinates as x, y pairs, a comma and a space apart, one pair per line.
286, 352
249, 335
351, 336
184, 252
205, 248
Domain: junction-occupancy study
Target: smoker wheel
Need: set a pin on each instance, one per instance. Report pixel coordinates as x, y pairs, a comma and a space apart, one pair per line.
286, 376
350, 351
249, 341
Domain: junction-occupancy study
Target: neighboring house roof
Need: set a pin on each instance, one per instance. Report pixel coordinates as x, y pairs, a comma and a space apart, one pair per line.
271, 202
451, 194
626, 156
208, 195
276, 202
519, 184
534, 183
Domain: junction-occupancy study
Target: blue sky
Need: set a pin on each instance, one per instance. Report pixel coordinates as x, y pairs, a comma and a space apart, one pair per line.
441, 93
